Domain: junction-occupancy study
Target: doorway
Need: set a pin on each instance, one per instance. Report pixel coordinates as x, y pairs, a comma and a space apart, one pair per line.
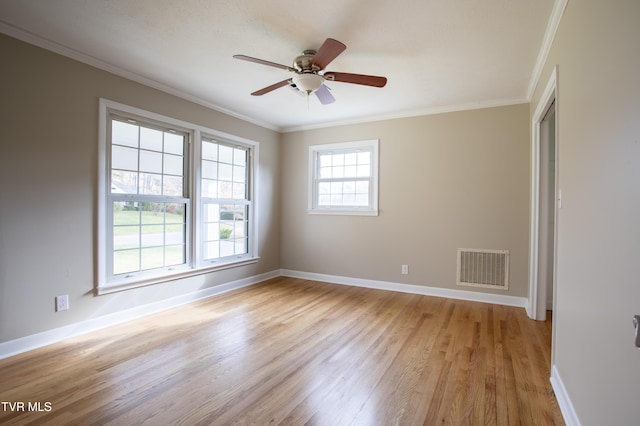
544, 204
546, 213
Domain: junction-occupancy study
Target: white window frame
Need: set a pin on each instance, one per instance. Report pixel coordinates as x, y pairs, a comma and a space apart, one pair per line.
314, 178
202, 261
108, 283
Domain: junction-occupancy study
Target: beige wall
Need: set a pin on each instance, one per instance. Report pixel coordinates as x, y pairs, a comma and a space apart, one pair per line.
598, 292
48, 174
447, 181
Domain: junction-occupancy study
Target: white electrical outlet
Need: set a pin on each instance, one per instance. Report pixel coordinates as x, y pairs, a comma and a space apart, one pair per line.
405, 269
62, 303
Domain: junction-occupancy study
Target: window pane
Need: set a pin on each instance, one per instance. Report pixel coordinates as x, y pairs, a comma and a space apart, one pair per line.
211, 212
150, 139
124, 133
209, 188
239, 157
226, 230
324, 188
364, 157
225, 172
150, 184
349, 199
362, 187
172, 185
124, 182
209, 170
212, 250
239, 229
362, 199
173, 143
124, 158
152, 213
226, 212
209, 151
151, 258
151, 236
150, 161
125, 213
324, 200
325, 160
240, 246
175, 255
173, 164
239, 174
325, 172
175, 213
350, 159
350, 171
225, 189
225, 154
174, 234
364, 171
212, 231
126, 237
239, 191
126, 261
349, 187
226, 248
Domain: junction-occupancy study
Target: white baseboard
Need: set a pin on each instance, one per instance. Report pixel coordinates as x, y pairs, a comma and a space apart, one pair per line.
497, 299
34, 341
566, 407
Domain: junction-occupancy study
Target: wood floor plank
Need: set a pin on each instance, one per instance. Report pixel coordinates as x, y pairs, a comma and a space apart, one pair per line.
291, 351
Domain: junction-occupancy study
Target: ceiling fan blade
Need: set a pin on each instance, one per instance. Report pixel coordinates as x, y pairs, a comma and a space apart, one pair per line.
366, 80
272, 87
329, 50
263, 62
324, 96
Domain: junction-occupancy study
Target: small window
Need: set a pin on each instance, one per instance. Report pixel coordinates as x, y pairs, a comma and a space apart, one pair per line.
343, 178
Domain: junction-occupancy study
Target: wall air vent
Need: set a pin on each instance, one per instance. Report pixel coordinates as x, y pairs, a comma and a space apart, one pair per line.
483, 268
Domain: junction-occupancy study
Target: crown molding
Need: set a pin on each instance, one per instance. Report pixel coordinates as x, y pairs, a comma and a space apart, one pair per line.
550, 34
410, 113
31, 38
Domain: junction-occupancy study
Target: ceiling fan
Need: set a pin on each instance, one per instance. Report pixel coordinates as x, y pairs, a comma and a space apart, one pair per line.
310, 73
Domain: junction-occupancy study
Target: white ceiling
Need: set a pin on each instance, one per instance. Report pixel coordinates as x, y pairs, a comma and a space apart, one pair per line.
438, 55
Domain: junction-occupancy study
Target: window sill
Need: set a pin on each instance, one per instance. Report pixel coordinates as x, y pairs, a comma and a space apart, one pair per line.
135, 282
337, 212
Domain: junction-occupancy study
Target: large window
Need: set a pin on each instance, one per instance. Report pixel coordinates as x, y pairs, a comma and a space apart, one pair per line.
146, 197
175, 199
343, 178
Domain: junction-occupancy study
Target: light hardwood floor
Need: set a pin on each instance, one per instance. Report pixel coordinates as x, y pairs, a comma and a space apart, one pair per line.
290, 351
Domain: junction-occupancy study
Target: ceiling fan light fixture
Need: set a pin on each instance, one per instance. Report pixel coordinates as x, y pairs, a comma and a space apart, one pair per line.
308, 82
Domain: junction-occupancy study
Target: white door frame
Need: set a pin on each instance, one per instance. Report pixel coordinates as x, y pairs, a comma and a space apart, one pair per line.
549, 95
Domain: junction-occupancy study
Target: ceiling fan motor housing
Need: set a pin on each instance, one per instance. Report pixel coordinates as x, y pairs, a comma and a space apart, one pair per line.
303, 62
